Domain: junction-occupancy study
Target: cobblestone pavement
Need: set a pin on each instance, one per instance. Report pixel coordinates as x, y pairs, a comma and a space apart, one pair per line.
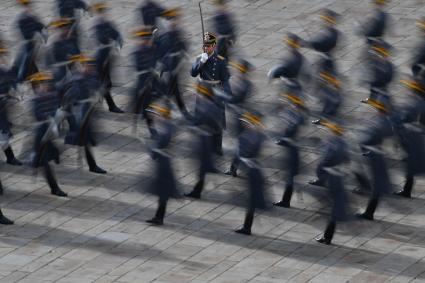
98, 233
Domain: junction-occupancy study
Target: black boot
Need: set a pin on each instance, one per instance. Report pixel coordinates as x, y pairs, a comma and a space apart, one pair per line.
111, 104
4, 220
11, 159
370, 210
286, 198
197, 190
328, 235
159, 215
249, 219
92, 163
407, 189
232, 171
53, 184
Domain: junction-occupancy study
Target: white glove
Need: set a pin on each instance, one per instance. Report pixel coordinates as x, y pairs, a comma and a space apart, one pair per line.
204, 58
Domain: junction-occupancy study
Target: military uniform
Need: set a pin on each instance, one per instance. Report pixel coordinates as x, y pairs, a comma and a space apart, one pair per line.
291, 66
294, 118
375, 26
106, 34
44, 106
149, 12
164, 182
215, 73
29, 25
144, 60
66, 8
206, 119
80, 98
224, 27
335, 150
250, 142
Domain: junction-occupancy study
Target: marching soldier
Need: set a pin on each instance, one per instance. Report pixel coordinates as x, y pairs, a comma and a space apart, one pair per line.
294, 118
164, 183
375, 26
418, 62
411, 134
144, 60
66, 8
106, 35
207, 119
172, 49
380, 73
150, 11
337, 147
45, 109
224, 28
81, 97
7, 81
29, 25
329, 88
212, 70
250, 142
379, 129
242, 88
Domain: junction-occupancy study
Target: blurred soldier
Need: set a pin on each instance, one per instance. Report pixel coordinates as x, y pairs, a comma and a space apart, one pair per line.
375, 26
29, 25
291, 65
144, 60
62, 50
380, 73
411, 134
325, 42
242, 88
329, 90
7, 81
250, 142
106, 35
294, 119
418, 62
212, 70
224, 28
171, 51
207, 119
337, 147
380, 127
164, 183
66, 8
150, 11
81, 97
45, 106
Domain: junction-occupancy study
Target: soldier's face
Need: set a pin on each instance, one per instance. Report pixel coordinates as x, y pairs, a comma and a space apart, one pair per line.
209, 48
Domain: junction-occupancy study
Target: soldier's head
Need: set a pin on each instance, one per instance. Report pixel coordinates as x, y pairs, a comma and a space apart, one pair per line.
415, 84
380, 3
204, 90
331, 126
252, 119
329, 17
210, 40
378, 105
220, 3
41, 81
160, 110
83, 63
292, 41
63, 25
242, 66
421, 25
173, 15
24, 3
144, 34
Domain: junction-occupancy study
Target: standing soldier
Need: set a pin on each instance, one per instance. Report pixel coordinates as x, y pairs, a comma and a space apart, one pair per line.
106, 35
45, 106
380, 128
337, 147
81, 97
7, 81
29, 25
224, 28
172, 49
250, 142
294, 118
164, 183
212, 70
144, 60
411, 134
207, 120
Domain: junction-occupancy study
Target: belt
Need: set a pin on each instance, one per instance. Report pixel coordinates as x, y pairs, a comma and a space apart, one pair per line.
209, 81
